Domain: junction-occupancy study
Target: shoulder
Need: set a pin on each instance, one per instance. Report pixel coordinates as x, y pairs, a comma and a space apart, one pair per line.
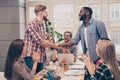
32, 22
105, 69
99, 24
103, 65
17, 64
96, 21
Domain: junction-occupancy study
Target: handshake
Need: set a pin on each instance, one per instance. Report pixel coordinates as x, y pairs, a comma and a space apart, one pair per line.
62, 47
58, 46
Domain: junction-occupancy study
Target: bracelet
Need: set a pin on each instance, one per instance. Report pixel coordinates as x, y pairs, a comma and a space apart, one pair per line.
92, 75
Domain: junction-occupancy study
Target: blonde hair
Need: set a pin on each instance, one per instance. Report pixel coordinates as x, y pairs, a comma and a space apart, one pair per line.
106, 51
39, 8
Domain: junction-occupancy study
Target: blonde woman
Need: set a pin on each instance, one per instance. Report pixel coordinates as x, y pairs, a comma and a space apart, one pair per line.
106, 68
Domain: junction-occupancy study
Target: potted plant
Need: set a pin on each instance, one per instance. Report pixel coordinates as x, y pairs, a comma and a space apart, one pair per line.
52, 32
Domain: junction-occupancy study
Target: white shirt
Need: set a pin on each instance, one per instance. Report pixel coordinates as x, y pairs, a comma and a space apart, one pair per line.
86, 42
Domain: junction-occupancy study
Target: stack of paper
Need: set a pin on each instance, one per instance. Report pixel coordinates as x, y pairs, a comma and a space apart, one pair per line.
77, 67
74, 72
51, 67
70, 78
79, 62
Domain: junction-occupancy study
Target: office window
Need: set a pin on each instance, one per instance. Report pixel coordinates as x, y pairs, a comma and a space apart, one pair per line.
31, 13
115, 36
80, 6
63, 17
114, 11
96, 11
95, 8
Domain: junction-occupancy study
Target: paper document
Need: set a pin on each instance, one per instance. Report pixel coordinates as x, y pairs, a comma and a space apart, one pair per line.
77, 67
79, 62
51, 67
74, 72
70, 78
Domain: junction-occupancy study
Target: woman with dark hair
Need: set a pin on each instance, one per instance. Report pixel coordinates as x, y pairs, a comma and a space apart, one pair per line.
15, 67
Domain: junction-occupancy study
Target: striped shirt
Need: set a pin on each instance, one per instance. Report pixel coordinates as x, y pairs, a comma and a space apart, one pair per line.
34, 35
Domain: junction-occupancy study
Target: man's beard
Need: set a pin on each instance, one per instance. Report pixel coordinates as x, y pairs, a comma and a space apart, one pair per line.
45, 18
82, 18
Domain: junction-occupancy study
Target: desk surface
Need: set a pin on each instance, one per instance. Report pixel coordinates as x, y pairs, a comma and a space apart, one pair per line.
59, 72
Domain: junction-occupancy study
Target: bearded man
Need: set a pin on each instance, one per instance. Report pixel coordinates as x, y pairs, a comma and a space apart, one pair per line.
88, 33
35, 37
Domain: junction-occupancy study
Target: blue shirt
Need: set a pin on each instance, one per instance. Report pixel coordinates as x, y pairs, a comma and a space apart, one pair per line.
95, 30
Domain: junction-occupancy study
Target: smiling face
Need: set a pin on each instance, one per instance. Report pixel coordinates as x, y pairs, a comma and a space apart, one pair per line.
67, 36
82, 14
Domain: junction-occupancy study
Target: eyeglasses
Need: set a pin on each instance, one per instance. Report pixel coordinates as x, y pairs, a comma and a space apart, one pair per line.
66, 35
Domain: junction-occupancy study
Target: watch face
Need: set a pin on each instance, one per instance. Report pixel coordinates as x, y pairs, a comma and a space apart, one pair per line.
92, 75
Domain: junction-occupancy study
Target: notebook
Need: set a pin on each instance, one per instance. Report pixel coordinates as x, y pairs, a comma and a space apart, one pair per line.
69, 58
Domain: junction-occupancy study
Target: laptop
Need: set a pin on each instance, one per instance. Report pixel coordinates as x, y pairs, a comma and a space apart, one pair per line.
69, 58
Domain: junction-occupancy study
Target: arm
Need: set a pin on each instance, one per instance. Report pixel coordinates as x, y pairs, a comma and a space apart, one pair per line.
102, 73
74, 50
38, 39
45, 43
102, 30
66, 44
20, 69
96, 73
76, 39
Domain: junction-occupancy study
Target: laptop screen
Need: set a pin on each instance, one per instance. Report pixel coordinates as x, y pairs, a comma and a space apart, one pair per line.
69, 58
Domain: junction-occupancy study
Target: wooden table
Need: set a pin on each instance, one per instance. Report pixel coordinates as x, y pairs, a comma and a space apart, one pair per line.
59, 72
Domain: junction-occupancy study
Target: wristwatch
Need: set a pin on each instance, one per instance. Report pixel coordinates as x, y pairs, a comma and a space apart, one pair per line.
92, 76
